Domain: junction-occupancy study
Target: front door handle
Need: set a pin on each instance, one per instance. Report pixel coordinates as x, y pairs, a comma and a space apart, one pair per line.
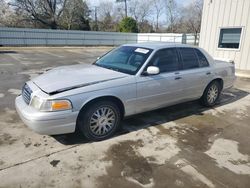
178, 78
208, 73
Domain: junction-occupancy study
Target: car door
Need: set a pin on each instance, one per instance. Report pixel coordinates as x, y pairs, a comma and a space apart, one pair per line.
155, 91
196, 72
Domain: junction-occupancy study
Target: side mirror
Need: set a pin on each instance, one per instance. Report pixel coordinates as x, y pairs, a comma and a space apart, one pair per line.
153, 70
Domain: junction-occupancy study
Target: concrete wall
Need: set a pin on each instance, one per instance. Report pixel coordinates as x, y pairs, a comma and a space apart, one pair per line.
226, 13
168, 37
46, 37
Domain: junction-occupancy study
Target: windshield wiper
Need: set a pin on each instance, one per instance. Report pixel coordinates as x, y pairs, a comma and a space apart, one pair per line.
114, 69
107, 67
98, 65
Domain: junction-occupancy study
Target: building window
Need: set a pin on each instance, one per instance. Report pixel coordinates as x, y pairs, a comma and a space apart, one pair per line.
230, 38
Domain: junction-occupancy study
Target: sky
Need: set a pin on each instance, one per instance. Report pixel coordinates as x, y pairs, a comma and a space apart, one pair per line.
181, 2
162, 19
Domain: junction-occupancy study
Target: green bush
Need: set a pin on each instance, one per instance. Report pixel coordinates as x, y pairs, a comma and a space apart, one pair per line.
128, 25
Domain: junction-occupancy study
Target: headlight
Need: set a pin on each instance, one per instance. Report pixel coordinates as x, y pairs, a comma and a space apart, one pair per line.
36, 102
50, 105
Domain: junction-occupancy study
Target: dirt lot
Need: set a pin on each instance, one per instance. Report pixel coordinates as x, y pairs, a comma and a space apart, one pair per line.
180, 146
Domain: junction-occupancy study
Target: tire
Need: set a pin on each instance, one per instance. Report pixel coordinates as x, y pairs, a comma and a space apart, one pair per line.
211, 94
99, 120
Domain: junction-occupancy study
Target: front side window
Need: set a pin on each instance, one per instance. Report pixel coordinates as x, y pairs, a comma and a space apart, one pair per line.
189, 58
126, 59
230, 38
166, 60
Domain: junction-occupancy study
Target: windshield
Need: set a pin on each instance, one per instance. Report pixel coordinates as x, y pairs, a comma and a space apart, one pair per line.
126, 59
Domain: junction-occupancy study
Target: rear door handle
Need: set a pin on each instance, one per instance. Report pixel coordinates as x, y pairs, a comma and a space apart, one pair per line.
208, 73
178, 78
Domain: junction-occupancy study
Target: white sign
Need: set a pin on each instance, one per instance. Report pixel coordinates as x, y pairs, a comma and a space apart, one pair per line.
141, 50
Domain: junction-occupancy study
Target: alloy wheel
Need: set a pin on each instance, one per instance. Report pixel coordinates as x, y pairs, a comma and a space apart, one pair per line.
102, 121
212, 93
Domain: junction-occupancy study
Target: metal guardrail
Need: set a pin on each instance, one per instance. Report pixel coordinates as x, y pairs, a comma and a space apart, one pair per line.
47, 37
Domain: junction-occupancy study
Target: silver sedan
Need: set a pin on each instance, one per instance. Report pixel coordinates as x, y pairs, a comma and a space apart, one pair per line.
130, 79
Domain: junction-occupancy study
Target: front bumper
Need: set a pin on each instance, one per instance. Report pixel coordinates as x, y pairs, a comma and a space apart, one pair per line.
48, 123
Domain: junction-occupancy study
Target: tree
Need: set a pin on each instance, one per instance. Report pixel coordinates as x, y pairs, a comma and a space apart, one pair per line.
46, 12
107, 23
107, 16
140, 10
10, 17
4, 13
128, 25
105, 8
172, 14
125, 6
158, 4
75, 15
146, 27
192, 17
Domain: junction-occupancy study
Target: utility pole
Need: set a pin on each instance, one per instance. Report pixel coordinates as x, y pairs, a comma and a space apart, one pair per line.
96, 21
126, 7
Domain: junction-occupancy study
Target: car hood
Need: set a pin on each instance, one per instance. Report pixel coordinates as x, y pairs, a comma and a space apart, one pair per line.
70, 77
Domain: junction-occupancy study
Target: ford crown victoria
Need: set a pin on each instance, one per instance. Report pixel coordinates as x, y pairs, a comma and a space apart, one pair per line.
128, 80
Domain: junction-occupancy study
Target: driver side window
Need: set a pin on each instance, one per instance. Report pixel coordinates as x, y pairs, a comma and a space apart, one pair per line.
166, 60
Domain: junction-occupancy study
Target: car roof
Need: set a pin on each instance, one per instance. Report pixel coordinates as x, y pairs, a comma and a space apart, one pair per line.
158, 45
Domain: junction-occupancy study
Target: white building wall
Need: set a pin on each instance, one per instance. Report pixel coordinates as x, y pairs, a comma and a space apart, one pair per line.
226, 13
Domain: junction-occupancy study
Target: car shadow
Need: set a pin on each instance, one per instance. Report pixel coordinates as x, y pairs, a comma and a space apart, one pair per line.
160, 116
8, 52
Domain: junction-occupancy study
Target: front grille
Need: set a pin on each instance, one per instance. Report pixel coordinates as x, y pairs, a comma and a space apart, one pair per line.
26, 93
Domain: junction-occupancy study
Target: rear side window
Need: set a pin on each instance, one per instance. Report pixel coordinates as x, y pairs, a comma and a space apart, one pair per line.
202, 59
166, 60
189, 58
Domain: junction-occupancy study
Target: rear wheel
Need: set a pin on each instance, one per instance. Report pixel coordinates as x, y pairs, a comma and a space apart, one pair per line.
99, 121
211, 94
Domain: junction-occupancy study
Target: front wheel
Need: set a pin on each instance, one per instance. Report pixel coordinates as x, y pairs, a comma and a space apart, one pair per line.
211, 94
99, 121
